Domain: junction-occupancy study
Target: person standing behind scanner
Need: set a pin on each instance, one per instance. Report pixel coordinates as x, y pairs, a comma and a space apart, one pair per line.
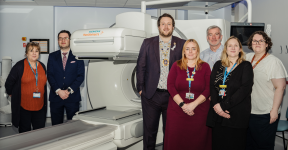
65, 75
212, 54
230, 88
157, 54
267, 94
26, 84
188, 85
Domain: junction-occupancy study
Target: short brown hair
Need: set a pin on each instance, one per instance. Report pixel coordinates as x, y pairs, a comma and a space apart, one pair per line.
165, 15
182, 63
224, 56
64, 31
265, 37
30, 46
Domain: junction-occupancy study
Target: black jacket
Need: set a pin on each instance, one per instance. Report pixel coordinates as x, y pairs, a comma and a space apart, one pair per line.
13, 87
238, 100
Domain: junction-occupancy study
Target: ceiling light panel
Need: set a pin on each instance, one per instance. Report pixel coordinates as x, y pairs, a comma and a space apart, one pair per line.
109, 5
51, 3
18, 0
81, 4
16, 10
19, 3
80, 1
60, 1
111, 1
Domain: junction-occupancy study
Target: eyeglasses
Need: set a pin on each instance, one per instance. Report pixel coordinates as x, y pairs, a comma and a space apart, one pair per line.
259, 42
60, 39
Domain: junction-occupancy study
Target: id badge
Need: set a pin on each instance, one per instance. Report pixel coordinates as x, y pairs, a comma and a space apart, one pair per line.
222, 92
36, 95
189, 96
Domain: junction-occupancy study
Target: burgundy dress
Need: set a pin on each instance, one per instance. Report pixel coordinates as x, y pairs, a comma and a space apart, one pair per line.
184, 132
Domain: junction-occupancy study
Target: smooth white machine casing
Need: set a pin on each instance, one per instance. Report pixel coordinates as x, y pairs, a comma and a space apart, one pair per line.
108, 42
110, 82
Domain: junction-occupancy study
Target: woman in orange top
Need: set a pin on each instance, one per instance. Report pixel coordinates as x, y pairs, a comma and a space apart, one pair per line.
26, 84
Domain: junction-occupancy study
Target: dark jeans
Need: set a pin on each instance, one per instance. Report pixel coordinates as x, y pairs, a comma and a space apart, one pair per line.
152, 109
260, 133
35, 118
57, 111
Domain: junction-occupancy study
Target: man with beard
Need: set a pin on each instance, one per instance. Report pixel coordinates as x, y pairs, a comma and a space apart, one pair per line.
213, 53
65, 74
157, 54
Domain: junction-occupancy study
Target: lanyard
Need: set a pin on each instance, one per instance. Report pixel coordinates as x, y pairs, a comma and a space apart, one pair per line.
226, 75
36, 75
192, 76
258, 60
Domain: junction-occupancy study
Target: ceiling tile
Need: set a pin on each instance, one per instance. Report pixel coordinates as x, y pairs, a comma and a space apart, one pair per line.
51, 3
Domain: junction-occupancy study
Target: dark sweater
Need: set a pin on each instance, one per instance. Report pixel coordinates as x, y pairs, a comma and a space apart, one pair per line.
238, 99
13, 87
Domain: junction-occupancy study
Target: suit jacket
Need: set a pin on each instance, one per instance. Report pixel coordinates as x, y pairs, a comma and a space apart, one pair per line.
72, 77
13, 87
148, 63
238, 100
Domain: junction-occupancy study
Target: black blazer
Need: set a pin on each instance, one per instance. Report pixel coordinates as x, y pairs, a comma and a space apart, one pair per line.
13, 87
238, 100
148, 63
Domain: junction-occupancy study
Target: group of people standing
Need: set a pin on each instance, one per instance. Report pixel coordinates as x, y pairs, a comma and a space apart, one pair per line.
26, 85
236, 106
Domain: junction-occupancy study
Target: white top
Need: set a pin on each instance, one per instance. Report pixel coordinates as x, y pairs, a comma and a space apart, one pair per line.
263, 90
211, 57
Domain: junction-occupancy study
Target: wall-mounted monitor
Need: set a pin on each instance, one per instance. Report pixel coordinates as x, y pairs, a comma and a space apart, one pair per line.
243, 30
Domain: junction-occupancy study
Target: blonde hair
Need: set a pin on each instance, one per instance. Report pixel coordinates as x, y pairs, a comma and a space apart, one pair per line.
224, 57
182, 63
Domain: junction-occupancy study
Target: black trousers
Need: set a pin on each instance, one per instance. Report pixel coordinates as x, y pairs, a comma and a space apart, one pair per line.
152, 110
261, 134
57, 111
35, 118
226, 138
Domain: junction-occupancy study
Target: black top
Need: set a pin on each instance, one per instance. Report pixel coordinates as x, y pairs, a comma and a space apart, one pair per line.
238, 95
13, 87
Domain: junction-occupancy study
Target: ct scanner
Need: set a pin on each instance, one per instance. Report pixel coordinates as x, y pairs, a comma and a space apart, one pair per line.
113, 118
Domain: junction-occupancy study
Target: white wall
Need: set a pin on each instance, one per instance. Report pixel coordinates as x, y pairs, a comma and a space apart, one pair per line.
24, 21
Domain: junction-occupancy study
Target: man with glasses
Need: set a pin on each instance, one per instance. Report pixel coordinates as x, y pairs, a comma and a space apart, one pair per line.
213, 53
65, 75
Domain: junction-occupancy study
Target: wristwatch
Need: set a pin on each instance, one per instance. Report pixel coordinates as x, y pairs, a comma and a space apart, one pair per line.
181, 104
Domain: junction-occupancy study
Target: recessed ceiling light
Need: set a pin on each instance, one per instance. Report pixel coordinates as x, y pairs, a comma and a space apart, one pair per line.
16, 10
18, 0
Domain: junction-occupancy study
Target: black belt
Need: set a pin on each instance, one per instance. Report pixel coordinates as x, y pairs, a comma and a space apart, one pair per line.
161, 90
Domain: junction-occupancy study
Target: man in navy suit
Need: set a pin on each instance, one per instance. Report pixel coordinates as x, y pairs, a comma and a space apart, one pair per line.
157, 54
65, 75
